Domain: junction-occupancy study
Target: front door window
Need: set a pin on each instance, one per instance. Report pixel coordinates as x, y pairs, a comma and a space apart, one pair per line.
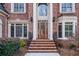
42, 29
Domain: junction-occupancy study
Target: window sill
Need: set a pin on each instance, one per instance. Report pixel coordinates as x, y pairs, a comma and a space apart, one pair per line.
67, 12
19, 37
18, 12
63, 38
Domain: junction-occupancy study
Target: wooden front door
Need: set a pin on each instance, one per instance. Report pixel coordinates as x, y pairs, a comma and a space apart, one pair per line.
42, 29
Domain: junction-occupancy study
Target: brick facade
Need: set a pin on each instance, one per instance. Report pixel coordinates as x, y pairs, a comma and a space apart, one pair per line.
28, 16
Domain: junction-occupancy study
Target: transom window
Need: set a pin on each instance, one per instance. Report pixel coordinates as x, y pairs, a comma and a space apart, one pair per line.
18, 30
67, 7
19, 7
66, 29
42, 9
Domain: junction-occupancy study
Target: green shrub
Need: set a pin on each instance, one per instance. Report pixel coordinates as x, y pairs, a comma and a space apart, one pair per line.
8, 49
1, 49
72, 46
21, 43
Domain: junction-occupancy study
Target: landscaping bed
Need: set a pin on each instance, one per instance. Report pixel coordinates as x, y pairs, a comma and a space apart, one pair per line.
13, 47
67, 47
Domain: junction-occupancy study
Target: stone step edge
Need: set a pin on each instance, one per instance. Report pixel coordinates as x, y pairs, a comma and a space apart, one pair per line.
42, 47
42, 43
44, 50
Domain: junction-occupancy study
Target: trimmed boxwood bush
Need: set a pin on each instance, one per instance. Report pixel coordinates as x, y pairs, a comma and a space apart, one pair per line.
8, 48
1, 49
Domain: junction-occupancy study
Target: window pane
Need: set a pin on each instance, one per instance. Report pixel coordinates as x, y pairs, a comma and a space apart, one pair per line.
69, 9
25, 31
42, 9
15, 7
12, 30
66, 7
18, 30
70, 33
66, 34
68, 23
69, 5
22, 7
18, 7
60, 30
68, 29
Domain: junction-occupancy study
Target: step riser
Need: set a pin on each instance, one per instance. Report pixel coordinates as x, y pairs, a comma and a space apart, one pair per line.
36, 51
42, 45
42, 41
42, 48
42, 51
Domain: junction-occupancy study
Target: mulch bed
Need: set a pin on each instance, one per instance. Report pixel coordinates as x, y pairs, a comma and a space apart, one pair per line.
21, 52
67, 52
64, 50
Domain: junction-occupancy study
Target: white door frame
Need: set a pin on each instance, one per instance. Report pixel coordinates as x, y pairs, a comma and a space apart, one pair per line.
50, 23
34, 22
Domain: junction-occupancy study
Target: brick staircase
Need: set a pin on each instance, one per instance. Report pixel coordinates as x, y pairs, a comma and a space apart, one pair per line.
42, 45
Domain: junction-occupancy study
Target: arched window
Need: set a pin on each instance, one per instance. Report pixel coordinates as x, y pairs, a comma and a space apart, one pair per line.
42, 9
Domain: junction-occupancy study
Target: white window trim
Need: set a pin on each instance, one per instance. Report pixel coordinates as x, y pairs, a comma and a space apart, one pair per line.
65, 19
9, 31
12, 8
73, 8
63, 30
0, 28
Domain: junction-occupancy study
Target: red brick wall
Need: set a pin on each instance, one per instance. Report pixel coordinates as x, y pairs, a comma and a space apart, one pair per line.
29, 13
13, 16
57, 14
4, 26
24, 16
77, 14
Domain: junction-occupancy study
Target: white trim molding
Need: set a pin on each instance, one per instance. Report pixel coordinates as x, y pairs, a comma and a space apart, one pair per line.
17, 22
73, 8
0, 28
34, 22
50, 22
64, 19
12, 8
49, 17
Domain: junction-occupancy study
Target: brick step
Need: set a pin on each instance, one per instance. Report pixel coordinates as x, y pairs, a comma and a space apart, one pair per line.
42, 48
45, 51
42, 42
42, 45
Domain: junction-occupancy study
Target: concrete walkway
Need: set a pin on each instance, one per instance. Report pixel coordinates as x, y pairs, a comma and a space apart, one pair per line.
42, 54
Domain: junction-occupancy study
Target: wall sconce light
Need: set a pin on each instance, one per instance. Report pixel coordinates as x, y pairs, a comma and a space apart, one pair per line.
31, 19
53, 19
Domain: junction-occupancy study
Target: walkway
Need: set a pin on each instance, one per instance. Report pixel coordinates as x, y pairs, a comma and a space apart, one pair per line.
42, 54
